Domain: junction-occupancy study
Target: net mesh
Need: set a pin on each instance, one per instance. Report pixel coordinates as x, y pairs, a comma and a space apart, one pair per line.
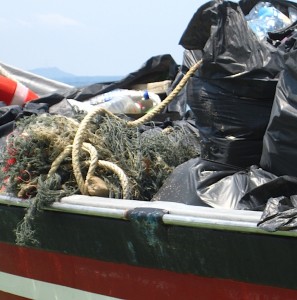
146, 154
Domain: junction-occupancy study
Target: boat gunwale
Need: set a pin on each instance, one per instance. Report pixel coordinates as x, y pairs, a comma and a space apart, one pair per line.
175, 214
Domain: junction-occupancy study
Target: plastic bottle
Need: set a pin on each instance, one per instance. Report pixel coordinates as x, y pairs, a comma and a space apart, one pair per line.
126, 101
264, 18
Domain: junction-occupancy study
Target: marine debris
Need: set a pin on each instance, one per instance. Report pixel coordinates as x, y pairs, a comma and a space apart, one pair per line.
48, 157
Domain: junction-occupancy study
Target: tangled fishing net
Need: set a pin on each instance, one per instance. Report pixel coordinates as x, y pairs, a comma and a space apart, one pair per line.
146, 157
48, 157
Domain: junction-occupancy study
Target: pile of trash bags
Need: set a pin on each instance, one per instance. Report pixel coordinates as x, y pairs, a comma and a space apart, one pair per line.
244, 102
241, 103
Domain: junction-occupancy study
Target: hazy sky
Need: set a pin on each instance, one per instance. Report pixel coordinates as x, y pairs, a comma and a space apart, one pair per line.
92, 37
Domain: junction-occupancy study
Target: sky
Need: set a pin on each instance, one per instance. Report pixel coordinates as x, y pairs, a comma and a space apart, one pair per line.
92, 37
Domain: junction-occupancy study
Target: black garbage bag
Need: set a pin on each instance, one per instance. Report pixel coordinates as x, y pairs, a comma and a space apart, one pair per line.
195, 182
279, 146
232, 93
278, 200
231, 125
258, 197
206, 183
157, 68
9, 114
280, 214
200, 26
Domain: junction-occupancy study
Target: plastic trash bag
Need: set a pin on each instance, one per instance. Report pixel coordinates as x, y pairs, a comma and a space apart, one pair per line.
195, 183
279, 145
275, 187
207, 183
232, 93
157, 68
229, 46
9, 114
280, 214
231, 124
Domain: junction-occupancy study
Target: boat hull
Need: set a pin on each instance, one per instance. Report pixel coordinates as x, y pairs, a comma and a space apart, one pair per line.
141, 257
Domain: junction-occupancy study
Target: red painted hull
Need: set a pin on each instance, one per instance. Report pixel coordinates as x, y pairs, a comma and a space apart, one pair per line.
8, 296
124, 281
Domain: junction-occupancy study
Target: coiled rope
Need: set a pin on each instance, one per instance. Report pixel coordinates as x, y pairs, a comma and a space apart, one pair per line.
79, 145
49, 192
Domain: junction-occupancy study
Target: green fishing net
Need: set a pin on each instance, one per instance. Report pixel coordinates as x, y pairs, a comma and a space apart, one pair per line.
146, 154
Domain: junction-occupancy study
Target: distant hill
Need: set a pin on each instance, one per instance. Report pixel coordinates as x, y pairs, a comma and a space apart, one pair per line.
51, 73
68, 78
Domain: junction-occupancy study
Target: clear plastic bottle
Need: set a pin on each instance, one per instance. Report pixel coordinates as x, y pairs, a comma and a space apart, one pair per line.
264, 17
126, 101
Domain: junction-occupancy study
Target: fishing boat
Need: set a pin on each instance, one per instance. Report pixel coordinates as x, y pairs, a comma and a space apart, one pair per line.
173, 247
103, 248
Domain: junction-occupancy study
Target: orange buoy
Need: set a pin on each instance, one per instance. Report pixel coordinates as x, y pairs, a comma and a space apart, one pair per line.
14, 93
